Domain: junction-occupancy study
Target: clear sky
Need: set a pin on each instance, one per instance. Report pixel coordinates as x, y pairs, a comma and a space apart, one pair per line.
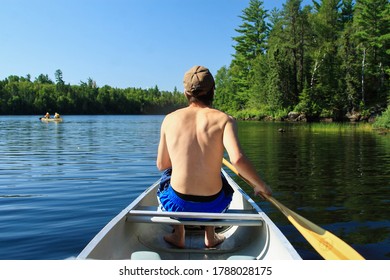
121, 43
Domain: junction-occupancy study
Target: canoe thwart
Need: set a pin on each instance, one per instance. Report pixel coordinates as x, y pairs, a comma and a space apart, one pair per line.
231, 217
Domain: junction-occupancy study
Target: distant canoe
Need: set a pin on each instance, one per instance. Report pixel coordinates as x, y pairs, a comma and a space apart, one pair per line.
51, 119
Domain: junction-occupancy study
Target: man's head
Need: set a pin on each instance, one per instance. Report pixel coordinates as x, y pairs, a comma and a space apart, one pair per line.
199, 85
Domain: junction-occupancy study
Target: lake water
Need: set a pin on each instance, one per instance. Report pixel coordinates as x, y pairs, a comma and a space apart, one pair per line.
60, 183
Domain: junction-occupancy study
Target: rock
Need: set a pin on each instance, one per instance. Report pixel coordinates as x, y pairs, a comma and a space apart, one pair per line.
292, 116
353, 116
296, 117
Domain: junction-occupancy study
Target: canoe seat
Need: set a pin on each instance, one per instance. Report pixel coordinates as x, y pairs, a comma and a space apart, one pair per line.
145, 255
237, 217
241, 257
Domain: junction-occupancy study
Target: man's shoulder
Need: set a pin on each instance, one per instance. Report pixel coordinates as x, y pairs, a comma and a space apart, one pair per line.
211, 112
173, 116
219, 113
223, 116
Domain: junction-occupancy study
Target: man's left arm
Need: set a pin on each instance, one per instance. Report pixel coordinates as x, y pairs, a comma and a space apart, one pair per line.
163, 159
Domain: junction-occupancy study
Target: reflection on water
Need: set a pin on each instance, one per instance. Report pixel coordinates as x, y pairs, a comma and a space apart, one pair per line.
338, 180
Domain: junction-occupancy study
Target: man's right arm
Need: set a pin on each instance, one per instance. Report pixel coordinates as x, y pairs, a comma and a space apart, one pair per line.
240, 161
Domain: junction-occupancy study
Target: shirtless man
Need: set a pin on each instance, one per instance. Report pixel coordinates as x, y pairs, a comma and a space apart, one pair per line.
192, 143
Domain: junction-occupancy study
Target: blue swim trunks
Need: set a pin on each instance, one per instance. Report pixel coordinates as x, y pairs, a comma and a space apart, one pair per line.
172, 201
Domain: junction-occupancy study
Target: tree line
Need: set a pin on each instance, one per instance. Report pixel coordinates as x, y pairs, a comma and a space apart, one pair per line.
22, 96
326, 60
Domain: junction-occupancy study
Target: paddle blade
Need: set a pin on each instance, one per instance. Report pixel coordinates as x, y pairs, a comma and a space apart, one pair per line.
329, 246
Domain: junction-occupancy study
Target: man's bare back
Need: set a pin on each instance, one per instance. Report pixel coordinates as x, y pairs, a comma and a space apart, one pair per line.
193, 138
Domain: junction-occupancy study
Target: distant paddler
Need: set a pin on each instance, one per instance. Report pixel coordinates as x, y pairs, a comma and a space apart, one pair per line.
47, 116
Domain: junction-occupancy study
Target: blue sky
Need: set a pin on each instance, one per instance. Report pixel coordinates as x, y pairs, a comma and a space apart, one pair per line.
121, 43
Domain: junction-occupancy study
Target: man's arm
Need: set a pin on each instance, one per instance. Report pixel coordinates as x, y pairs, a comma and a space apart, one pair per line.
163, 160
240, 161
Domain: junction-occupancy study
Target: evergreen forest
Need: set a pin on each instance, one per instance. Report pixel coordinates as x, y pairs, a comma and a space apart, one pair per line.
326, 60
21, 96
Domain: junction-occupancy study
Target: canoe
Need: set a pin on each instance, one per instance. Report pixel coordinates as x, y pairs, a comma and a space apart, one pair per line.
51, 119
137, 233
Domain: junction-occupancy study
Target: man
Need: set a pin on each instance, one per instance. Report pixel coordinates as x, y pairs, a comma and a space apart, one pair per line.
192, 143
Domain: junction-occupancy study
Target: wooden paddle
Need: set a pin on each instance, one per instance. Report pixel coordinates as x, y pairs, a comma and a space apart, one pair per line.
329, 246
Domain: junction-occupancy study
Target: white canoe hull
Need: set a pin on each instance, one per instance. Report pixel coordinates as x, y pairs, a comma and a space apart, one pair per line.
51, 119
140, 227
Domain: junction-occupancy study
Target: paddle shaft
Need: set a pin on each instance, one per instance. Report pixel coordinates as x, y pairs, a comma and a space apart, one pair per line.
329, 246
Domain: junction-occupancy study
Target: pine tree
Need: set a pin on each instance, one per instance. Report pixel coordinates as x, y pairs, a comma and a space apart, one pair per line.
326, 70
372, 25
251, 43
268, 69
349, 59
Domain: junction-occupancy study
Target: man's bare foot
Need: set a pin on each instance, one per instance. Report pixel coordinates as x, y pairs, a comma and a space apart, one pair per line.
215, 241
212, 239
172, 239
176, 238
